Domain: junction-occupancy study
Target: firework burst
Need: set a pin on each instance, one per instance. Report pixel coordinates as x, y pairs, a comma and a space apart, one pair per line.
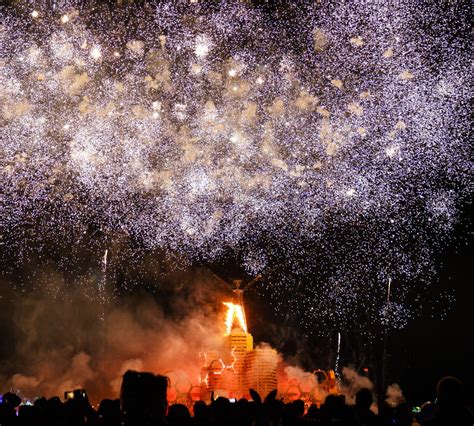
323, 137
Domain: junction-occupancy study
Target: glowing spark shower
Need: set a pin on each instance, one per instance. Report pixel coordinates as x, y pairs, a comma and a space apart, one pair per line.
333, 133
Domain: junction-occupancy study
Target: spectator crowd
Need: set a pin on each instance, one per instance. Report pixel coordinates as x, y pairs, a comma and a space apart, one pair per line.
143, 403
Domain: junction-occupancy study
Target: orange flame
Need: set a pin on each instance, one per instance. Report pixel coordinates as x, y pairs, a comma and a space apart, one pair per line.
234, 311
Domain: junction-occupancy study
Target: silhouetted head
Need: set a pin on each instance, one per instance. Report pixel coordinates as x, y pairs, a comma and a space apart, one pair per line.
178, 415
333, 407
333, 402
54, 411
221, 410
74, 411
29, 415
313, 412
201, 410
364, 399
109, 411
41, 402
449, 391
274, 409
11, 399
143, 398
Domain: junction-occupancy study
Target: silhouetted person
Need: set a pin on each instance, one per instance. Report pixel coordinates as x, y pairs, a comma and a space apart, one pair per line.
78, 410
244, 412
109, 413
30, 415
363, 415
273, 410
201, 414
313, 414
143, 399
450, 409
55, 413
334, 411
178, 415
8, 409
222, 412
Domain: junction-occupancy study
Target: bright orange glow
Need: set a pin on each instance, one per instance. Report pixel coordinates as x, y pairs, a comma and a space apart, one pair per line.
234, 359
234, 311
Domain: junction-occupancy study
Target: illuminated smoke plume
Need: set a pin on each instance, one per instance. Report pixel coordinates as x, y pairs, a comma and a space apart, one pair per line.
353, 383
63, 346
394, 395
324, 137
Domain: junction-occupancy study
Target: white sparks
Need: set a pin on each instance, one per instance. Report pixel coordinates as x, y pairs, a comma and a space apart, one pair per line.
202, 47
231, 141
96, 53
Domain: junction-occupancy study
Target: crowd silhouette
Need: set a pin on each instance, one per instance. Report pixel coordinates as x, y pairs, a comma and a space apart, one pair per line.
143, 403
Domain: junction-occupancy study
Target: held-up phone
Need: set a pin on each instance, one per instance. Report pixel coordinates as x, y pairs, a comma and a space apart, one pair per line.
75, 394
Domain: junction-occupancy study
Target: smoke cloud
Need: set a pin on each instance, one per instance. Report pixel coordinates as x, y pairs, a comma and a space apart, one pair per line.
394, 395
65, 337
61, 342
352, 383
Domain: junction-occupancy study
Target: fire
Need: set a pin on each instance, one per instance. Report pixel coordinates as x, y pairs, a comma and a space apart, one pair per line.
234, 311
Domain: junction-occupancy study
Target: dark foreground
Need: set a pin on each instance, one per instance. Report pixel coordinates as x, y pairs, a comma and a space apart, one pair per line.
143, 403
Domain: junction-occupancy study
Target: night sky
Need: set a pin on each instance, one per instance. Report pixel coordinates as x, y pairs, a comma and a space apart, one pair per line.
325, 148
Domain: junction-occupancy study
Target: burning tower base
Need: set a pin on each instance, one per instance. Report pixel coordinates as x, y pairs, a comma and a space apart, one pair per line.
240, 367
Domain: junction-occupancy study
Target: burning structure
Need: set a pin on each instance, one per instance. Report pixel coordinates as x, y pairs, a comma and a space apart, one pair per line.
240, 366
237, 366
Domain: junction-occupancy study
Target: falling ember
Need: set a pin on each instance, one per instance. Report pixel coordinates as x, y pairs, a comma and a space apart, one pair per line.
235, 315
